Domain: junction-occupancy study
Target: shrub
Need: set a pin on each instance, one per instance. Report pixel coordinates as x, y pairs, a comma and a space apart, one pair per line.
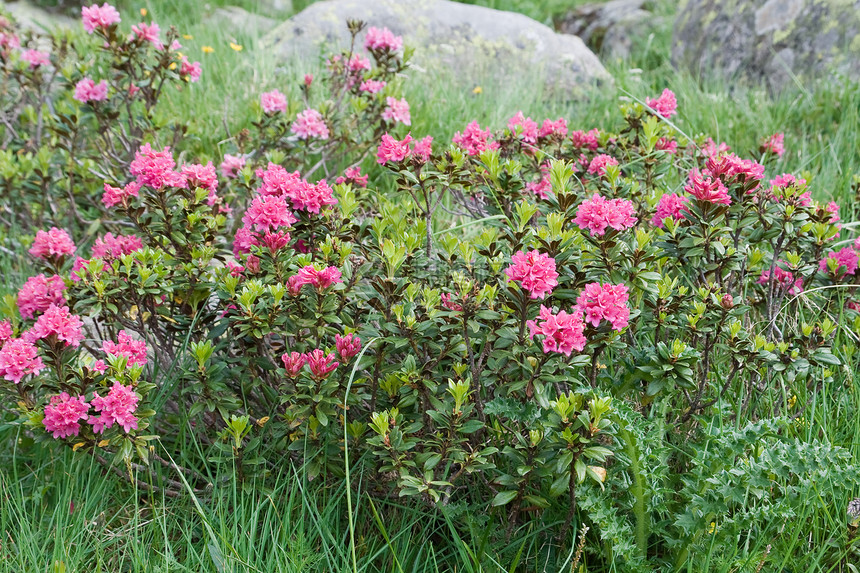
534, 319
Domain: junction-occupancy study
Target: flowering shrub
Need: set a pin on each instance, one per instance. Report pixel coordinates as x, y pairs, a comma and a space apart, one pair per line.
584, 297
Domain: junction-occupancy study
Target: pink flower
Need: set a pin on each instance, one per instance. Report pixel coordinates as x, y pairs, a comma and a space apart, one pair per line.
711, 148
451, 304
353, 175
116, 408
833, 209
235, 269
666, 105
54, 243
273, 102
321, 365
582, 140
598, 213
191, 71
268, 213
39, 293
666, 144
784, 279
5, 332
155, 168
542, 188
36, 58
95, 17
62, 415
358, 63
397, 111
846, 261
534, 271
202, 176
423, 148
309, 79
705, 188
528, 127
99, 366
604, 302
372, 86
87, 90
232, 165
392, 150
774, 144
113, 196
18, 358
553, 128
293, 363
109, 247
320, 280
311, 198
670, 205
786, 180
8, 41
474, 140
148, 33
562, 332
134, 350
599, 164
60, 322
310, 124
730, 167
382, 40
347, 346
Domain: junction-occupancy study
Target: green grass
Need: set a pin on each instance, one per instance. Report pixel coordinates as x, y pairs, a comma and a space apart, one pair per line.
63, 512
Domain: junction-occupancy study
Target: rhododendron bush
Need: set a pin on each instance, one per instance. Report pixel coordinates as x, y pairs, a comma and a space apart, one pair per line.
515, 326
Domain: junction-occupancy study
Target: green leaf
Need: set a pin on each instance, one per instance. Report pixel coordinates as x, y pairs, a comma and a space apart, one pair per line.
504, 498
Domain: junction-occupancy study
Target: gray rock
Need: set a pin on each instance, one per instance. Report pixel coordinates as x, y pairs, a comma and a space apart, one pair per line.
237, 20
32, 17
462, 41
610, 28
775, 43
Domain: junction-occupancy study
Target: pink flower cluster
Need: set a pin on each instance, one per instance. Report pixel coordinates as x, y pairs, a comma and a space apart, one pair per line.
396, 111
534, 271
52, 244
706, 188
730, 167
382, 40
372, 86
148, 33
190, 71
605, 302
474, 140
110, 247
232, 165
156, 168
87, 90
599, 164
99, 18
39, 293
347, 346
278, 182
598, 213
525, 128
394, 151
309, 124
711, 148
62, 415
352, 175
202, 176
585, 140
117, 407
557, 128
6, 332
319, 279
59, 322
134, 350
114, 196
273, 102
36, 58
846, 260
18, 358
542, 188
774, 144
562, 332
666, 105
320, 363
670, 205
784, 279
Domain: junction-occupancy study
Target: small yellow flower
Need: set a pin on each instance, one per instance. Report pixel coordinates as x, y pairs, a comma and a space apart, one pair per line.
172, 66
478, 90
712, 528
792, 401
235, 46
143, 12
77, 446
187, 37
208, 49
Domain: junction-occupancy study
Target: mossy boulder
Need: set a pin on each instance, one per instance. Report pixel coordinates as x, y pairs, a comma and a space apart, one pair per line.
453, 41
775, 43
